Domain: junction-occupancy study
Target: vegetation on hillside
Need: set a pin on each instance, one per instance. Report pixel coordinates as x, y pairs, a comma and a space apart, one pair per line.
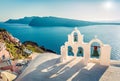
33, 46
15, 48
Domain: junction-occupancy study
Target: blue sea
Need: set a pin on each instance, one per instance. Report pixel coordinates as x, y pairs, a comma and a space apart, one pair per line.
54, 37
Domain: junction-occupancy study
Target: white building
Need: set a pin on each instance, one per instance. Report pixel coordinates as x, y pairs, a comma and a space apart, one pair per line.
94, 51
3, 51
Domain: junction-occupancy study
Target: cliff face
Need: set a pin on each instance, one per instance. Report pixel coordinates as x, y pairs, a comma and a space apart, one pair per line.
10, 43
25, 20
55, 21
50, 21
15, 47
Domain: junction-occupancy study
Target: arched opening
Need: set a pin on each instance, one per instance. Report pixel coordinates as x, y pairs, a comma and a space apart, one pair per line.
95, 50
70, 51
75, 37
80, 52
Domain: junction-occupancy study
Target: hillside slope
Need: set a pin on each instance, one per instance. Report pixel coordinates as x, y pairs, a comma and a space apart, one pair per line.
49, 21
16, 48
55, 21
25, 20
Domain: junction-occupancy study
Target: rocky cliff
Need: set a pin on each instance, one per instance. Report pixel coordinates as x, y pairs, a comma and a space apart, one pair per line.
16, 48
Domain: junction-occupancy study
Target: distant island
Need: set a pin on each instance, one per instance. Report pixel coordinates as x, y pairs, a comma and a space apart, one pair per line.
55, 21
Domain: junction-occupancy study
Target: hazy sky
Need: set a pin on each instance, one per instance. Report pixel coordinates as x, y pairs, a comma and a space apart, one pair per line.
93, 10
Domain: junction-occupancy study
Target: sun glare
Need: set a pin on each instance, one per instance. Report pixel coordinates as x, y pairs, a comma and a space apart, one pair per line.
108, 5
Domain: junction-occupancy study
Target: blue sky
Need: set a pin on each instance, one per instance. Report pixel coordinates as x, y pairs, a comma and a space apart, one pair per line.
92, 10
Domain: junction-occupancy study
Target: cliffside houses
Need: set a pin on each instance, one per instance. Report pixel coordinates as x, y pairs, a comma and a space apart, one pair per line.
4, 56
7, 67
13, 39
3, 52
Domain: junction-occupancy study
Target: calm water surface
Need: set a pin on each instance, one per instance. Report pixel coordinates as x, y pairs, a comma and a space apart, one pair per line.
54, 37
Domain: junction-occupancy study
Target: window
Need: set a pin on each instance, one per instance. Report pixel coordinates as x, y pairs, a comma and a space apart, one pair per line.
80, 52
70, 51
75, 37
95, 50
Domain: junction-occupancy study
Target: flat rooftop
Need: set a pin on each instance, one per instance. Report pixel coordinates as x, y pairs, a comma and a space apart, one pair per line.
47, 67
